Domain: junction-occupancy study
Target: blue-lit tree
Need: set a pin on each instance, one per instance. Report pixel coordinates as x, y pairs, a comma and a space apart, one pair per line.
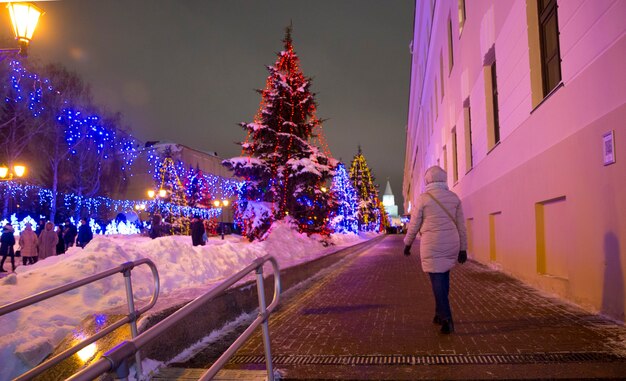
344, 213
72, 147
20, 114
52, 143
285, 172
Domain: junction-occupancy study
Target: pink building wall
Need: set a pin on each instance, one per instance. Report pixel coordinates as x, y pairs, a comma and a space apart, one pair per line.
543, 194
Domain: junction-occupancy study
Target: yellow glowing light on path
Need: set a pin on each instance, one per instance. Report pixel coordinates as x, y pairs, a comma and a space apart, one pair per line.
225, 202
88, 352
4, 171
151, 193
162, 193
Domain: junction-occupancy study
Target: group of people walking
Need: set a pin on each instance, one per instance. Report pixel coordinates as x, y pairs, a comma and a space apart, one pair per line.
44, 242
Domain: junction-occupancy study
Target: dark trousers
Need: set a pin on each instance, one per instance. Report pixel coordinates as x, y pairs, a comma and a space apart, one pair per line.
4, 257
29, 260
441, 288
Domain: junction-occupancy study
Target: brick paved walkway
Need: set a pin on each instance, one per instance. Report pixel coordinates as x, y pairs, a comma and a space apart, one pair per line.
378, 304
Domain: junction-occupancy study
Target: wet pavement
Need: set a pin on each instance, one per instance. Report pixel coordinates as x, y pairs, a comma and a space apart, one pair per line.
370, 317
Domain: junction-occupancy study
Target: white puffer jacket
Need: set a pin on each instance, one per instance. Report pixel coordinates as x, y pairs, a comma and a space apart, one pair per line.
440, 241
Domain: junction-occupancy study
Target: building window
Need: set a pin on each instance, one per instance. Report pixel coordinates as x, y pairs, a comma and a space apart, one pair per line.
468, 135
461, 15
455, 162
450, 47
544, 52
491, 102
441, 72
436, 100
550, 54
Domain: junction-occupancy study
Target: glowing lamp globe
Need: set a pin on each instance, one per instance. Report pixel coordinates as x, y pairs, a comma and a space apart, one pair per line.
162, 193
225, 202
24, 17
151, 193
4, 171
19, 170
216, 203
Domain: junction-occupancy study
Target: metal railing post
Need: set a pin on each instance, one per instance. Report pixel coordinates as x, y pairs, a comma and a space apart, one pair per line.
263, 313
133, 314
114, 359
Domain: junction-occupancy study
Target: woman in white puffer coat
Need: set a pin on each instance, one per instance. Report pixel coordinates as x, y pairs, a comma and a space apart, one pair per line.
438, 216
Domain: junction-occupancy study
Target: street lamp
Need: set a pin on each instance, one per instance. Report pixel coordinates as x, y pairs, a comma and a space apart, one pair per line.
8, 175
161, 193
24, 17
223, 204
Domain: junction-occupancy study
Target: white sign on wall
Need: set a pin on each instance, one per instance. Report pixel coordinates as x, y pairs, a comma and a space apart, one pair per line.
608, 147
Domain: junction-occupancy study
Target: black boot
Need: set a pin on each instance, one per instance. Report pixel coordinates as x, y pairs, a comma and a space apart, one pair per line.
437, 320
447, 327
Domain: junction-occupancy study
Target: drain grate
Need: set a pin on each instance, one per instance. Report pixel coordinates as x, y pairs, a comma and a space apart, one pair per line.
486, 359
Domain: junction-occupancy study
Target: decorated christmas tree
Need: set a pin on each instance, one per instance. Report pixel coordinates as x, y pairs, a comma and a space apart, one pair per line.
343, 217
170, 182
367, 193
384, 218
285, 172
197, 189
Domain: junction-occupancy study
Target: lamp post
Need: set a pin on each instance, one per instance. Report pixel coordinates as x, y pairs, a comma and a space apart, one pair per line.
24, 17
221, 204
7, 174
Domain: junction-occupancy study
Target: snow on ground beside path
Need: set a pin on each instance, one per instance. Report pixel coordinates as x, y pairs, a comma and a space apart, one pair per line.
28, 335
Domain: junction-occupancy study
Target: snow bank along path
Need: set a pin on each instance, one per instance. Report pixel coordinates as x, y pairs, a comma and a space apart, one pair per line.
28, 335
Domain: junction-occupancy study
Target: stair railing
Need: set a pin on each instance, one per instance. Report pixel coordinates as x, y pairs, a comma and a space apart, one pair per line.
116, 360
130, 319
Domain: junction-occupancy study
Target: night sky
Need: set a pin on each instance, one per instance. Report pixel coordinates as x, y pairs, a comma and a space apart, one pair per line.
185, 71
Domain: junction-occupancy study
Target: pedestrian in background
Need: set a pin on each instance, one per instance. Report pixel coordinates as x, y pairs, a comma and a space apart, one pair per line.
28, 245
438, 217
7, 241
60, 249
84, 233
48, 240
156, 228
197, 231
40, 226
69, 234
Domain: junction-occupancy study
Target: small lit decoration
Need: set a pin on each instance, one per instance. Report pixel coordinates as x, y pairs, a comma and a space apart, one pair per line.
367, 193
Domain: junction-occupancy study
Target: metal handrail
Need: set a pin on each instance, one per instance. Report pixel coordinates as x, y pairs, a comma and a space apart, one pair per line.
116, 360
131, 318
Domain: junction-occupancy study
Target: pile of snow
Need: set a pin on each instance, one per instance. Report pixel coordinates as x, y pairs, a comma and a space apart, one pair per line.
28, 335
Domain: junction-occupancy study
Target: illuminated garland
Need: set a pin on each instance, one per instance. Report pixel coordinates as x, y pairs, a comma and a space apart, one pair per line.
21, 194
216, 186
76, 124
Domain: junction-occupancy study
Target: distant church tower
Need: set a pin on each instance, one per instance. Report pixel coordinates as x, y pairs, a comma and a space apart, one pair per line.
389, 201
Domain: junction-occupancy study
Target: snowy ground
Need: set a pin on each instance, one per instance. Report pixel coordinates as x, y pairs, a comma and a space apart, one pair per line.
29, 334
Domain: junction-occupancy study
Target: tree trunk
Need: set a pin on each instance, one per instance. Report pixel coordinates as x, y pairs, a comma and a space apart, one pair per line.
55, 186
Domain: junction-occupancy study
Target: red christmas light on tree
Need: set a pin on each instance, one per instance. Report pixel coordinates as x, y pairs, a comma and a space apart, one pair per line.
284, 170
